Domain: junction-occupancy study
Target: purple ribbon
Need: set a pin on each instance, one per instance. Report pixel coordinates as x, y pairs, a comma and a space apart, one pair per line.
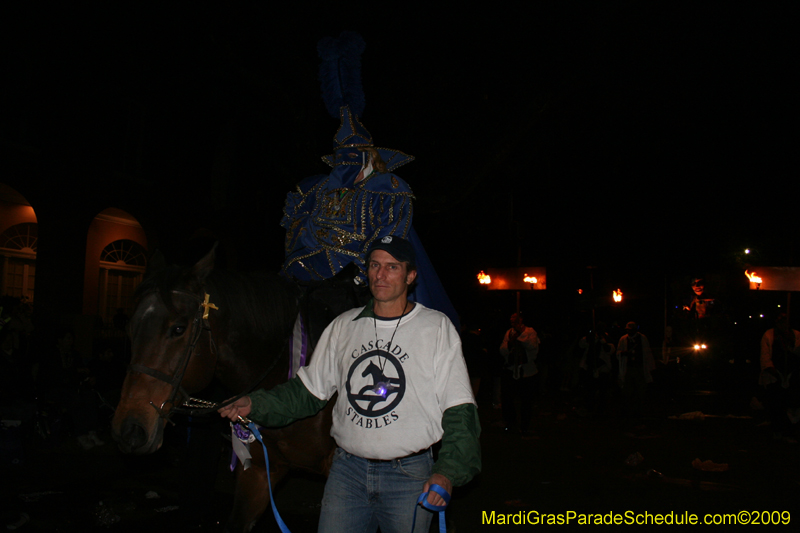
302, 338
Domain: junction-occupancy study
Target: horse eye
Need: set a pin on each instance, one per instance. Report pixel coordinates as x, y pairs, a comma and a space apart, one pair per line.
177, 331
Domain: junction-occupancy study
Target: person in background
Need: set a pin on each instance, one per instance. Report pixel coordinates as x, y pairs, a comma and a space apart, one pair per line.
636, 365
519, 349
780, 374
595, 365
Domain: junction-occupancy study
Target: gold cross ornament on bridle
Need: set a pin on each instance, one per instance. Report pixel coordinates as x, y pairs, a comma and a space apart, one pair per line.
207, 305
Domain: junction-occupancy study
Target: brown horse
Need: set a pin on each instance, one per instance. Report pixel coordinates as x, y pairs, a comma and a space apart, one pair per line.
242, 341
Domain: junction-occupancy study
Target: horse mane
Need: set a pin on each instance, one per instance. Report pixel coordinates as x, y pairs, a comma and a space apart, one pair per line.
262, 304
256, 304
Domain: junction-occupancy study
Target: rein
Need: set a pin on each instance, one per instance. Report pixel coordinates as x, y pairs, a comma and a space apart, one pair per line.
192, 406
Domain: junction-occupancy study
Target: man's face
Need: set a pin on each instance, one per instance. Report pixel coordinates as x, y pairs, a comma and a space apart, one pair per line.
388, 277
516, 322
698, 288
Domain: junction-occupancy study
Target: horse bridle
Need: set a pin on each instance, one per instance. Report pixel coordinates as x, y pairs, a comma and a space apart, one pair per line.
199, 324
192, 406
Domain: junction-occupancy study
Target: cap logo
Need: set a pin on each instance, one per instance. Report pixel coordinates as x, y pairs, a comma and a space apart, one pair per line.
387, 239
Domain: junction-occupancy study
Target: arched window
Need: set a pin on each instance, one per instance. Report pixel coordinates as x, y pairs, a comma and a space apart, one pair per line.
125, 255
18, 251
122, 266
20, 238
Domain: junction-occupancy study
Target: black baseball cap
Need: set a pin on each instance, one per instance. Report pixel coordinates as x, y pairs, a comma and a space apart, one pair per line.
398, 247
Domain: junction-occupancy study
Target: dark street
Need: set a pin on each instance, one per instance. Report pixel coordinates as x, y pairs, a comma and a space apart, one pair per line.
569, 463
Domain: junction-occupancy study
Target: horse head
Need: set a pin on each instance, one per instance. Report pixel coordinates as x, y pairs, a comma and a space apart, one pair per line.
172, 352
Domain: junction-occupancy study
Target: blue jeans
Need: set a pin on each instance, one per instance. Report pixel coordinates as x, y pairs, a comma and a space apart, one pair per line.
361, 495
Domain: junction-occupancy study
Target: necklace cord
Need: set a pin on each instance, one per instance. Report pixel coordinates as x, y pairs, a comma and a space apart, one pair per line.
391, 340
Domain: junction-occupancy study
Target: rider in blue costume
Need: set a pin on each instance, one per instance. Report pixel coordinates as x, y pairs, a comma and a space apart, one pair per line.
331, 220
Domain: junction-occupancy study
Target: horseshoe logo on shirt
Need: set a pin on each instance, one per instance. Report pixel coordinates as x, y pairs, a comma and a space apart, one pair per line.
376, 383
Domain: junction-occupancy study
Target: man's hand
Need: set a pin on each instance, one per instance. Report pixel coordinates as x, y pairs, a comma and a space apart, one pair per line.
437, 479
240, 407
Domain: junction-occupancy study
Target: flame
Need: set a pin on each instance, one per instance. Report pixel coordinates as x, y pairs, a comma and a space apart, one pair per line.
530, 279
580, 291
484, 278
617, 295
753, 277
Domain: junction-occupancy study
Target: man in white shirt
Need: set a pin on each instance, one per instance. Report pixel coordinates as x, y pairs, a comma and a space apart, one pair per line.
402, 386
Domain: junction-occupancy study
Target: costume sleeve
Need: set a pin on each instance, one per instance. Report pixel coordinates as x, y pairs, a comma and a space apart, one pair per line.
284, 404
298, 207
459, 458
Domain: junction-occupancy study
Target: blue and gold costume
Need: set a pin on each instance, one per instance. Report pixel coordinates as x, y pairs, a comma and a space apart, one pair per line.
331, 220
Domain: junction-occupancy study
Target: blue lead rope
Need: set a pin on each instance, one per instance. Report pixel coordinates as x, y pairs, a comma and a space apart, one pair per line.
423, 500
278, 518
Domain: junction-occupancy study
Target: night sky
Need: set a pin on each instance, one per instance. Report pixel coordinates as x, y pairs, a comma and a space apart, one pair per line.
646, 139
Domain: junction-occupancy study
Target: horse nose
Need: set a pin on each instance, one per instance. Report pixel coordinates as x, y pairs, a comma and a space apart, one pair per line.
132, 436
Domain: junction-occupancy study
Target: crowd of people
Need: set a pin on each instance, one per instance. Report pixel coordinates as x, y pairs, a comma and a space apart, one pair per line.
614, 370
523, 365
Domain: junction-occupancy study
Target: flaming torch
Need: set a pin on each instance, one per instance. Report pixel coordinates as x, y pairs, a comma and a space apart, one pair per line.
529, 279
484, 278
617, 295
754, 279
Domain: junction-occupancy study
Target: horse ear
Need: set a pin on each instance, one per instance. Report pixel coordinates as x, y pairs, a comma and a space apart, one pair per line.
204, 267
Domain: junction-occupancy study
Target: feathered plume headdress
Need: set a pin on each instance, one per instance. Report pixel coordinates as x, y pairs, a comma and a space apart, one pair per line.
340, 72
340, 76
